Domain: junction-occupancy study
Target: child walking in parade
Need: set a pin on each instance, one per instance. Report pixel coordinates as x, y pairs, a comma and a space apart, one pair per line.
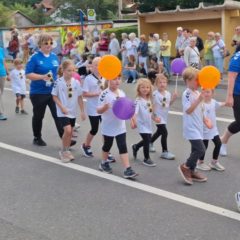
162, 100
112, 127
143, 119
18, 81
67, 94
192, 127
210, 131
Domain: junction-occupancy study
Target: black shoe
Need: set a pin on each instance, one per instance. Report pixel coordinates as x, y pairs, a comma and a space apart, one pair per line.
24, 112
17, 110
87, 152
105, 167
129, 173
39, 142
149, 163
134, 149
73, 142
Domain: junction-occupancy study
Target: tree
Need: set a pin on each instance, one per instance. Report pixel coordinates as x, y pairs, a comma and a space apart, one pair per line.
105, 9
5, 19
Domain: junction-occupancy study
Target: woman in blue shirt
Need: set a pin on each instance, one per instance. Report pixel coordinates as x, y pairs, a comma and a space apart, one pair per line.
42, 69
232, 100
3, 76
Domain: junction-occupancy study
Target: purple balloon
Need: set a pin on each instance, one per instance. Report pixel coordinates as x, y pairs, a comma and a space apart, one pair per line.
123, 108
178, 65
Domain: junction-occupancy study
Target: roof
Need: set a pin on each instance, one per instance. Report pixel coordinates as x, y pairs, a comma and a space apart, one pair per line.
48, 4
227, 5
19, 12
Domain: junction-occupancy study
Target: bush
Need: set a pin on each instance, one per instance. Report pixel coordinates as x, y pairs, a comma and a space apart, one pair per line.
119, 31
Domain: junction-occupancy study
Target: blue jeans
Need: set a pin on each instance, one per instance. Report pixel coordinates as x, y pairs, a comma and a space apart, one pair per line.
166, 64
130, 73
219, 63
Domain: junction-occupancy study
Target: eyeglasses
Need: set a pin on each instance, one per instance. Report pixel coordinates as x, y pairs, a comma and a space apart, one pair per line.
164, 102
70, 91
149, 107
48, 43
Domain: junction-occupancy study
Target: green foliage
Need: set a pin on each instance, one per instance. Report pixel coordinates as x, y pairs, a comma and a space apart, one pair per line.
26, 10
147, 6
5, 16
119, 31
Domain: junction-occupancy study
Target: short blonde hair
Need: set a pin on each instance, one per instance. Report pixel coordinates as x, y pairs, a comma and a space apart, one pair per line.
66, 63
160, 77
45, 37
17, 61
144, 81
189, 74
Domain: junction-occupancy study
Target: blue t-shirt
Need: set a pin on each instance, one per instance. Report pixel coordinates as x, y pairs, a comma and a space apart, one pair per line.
234, 66
3, 72
41, 64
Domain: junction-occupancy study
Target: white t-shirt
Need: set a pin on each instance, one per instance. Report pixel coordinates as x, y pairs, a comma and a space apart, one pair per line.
131, 47
144, 115
209, 110
161, 104
111, 126
93, 85
114, 47
192, 123
18, 81
220, 45
61, 90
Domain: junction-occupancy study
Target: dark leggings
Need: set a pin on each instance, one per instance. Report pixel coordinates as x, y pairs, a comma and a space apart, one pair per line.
197, 150
94, 121
161, 130
40, 102
121, 143
217, 142
146, 140
234, 127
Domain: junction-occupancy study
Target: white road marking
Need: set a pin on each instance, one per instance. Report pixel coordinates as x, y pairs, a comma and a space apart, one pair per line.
142, 187
219, 119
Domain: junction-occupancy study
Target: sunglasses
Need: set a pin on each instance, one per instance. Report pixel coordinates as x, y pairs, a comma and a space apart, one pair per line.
21, 75
50, 76
164, 102
149, 107
70, 91
48, 43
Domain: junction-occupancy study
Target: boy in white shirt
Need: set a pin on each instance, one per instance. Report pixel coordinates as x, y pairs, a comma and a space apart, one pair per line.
67, 93
18, 80
192, 126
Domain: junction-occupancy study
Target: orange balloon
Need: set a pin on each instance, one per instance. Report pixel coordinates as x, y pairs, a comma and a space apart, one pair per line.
109, 67
209, 77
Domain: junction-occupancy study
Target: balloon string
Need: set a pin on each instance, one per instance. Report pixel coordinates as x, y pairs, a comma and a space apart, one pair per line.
176, 85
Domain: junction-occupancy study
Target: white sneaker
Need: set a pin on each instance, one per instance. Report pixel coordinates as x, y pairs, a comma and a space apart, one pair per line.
237, 199
152, 148
77, 126
66, 156
167, 155
216, 166
223, 150
203, 166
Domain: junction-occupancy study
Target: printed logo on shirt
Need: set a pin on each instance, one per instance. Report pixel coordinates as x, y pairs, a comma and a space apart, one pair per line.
188, 96
103, 96
236, 56
55, 63
41, 62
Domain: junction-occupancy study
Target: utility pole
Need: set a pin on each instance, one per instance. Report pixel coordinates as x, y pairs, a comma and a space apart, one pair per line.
120, 6
82, 21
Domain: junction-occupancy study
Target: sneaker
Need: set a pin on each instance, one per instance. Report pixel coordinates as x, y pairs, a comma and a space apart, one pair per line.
39, 142
134, 149
134, 81
87, 152
66, 156
237, 199
24, 112
198, 177
2, 117
167, 155
203, 166
149, 163
223, 150
17, 110
73, 142
77, 126
111, 158
217, 166
152, 148
105, 167
129, 173
186, 174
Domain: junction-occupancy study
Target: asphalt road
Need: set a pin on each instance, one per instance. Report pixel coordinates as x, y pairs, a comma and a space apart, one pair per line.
41, 200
